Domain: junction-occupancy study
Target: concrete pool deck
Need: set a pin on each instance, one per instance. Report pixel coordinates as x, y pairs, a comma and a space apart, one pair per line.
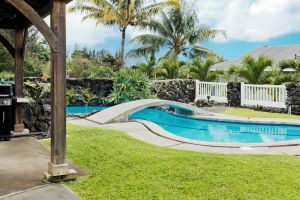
23, 162
139, 131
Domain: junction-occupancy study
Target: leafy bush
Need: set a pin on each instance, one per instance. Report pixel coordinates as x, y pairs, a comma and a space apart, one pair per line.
36, 91
80, 97
71, 96
88, 96
130, 85
6, 75
101, 72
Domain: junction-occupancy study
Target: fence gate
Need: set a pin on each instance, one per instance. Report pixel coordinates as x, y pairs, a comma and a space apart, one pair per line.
263, 95
216, 91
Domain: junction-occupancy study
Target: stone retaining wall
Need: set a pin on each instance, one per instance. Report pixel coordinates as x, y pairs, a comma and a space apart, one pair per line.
181, 90
99, 87
293, 94
38, 112
234, 94
293, 97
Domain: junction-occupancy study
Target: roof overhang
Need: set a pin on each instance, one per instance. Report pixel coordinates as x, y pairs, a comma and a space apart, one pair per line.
11, 17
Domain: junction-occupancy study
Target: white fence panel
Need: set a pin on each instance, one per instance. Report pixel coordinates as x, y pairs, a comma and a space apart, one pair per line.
216, 91
263, 95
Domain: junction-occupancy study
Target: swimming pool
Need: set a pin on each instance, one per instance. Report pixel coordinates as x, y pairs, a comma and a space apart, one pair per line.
76, 110
207, 130
218, 131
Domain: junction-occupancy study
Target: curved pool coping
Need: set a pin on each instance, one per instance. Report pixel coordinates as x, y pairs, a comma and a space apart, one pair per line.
156, 129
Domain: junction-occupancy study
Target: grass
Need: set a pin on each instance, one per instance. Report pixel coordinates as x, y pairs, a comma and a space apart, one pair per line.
121, 167
244, 112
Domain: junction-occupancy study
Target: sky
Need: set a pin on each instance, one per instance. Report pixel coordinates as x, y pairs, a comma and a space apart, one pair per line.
249, 24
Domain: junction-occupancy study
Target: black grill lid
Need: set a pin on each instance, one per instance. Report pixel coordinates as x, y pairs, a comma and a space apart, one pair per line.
6, 90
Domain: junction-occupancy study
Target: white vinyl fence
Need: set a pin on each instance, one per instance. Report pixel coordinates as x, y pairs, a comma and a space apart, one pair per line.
216, 91
263, 95
251, 95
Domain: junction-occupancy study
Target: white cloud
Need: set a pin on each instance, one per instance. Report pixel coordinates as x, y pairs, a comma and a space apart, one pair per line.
87, 33
247, 20
252, 20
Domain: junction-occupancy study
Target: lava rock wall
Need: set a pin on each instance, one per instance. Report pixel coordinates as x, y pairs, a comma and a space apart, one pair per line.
181, 90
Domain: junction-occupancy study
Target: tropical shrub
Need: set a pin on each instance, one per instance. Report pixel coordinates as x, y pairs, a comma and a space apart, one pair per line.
129, 85
6, 75
294, 76
169, 69
201, 70
292, 64
254, 70
71, 96
80, 66
80, 96
101, 72
88, 96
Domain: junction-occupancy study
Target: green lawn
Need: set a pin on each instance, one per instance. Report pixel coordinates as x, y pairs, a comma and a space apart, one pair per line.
244, 112
121, 167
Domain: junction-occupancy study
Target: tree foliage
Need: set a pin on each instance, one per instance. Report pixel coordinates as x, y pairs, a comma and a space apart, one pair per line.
129, 85
37, 54
254, 70
121, 13
91, 64
178, 30
169, 69
201, 69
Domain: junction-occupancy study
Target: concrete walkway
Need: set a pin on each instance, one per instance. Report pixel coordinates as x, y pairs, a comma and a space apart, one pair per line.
46, 192
140, 132
119, 113
22, 166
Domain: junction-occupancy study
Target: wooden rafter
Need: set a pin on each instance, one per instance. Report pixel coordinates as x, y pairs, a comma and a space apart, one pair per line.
7, 45
37, 21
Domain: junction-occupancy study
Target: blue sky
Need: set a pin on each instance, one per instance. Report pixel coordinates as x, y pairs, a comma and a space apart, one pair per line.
249, 24
237, 48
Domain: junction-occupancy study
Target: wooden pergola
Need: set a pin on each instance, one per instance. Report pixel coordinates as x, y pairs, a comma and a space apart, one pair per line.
19, 15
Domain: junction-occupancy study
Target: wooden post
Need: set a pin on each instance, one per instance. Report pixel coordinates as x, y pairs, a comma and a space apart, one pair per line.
58, 168
20, 38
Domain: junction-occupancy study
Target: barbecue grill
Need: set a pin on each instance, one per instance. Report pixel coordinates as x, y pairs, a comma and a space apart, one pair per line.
6, 110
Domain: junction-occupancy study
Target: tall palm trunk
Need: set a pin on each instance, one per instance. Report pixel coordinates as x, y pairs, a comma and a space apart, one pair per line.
122, 48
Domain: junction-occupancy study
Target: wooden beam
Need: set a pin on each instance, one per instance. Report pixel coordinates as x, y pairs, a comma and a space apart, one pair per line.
58, 87
37, 21
20, 42
7, 45
58, 168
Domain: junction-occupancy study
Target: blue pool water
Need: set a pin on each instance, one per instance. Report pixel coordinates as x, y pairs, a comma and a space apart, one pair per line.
75, 110
215, 131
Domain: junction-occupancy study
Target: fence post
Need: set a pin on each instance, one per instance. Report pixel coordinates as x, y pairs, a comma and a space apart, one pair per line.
242, 93
197, 90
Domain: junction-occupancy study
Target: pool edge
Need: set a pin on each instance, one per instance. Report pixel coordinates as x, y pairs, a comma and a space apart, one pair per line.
156, 129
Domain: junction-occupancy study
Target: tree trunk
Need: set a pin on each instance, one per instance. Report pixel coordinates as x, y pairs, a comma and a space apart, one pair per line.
122, 56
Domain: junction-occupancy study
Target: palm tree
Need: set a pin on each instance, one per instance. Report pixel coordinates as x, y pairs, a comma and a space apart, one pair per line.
179, 31
169, 69
292, 64
148, 67
254, 71
201, 70
123, 13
